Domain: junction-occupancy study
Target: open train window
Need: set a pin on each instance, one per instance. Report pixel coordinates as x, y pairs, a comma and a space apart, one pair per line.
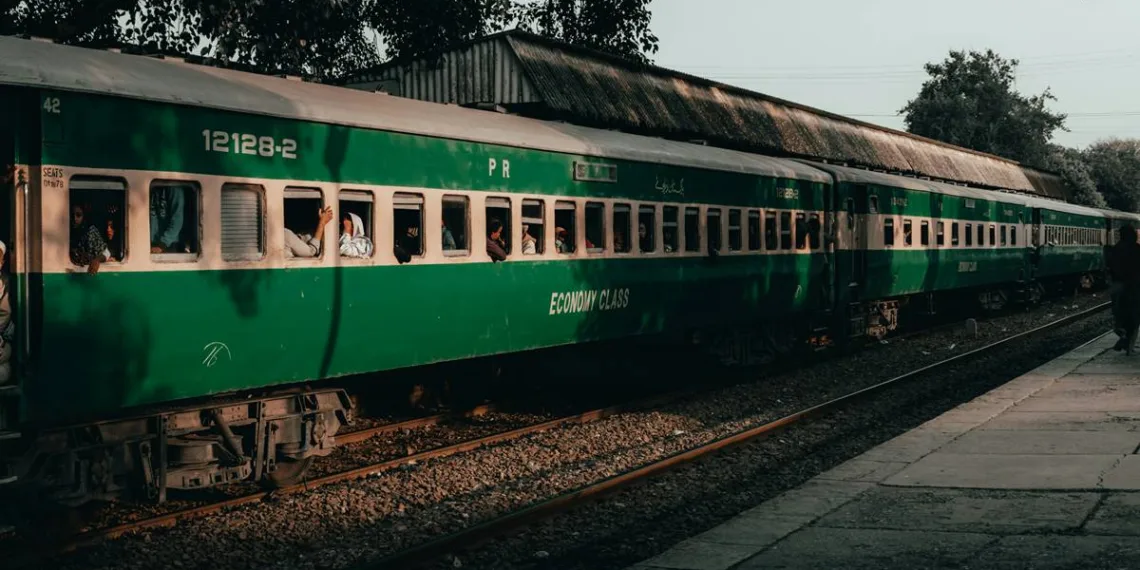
873, 205
357, 216
669, 233
771, 232
924, 233
981, 234
565, 226
801, 230
646, 228
692, 229
1003, 236
595, 227
712, 222
993, 235
735, 237
499, 210
303, 235
533, 227
753, 230
243, 226
622, 219
408, 223
940, 234
98, 216
785, 230
815, 231
954, 234
969, 233
455, 226
889, 232
908, 233
174, 215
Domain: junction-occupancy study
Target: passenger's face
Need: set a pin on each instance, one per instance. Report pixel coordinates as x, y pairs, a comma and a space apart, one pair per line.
346, 225
641, 230
76, 216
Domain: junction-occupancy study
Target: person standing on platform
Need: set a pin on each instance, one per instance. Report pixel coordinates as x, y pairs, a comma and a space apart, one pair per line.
1123, 261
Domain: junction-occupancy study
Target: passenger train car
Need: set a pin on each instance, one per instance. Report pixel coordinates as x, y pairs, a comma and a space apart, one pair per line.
193, 355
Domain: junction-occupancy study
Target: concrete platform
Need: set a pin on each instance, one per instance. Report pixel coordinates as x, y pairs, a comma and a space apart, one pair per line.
1042, 472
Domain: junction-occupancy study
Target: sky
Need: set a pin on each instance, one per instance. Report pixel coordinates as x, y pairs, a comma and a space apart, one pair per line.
864, 58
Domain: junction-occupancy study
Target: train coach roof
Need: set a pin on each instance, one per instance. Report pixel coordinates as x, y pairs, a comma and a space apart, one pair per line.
860, 176
40, 64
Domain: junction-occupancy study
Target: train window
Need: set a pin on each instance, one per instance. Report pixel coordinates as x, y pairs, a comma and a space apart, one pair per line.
408, 223
712, 222
304, 235
1004, 241
1013, 235
622, 220
356, 222
669, 229
735, 237
98, 216
815, 230
785, 230
754, 230
981, 234
692, 229
954, 234
908, 233
801, 230
499, 210
174, 215
533, 227
243, 215
889, 232
873, 205
771, 231
924, 233
993, 235
969, 233
455, 227
850, 213
565, 227
940, 234
646, 228
595, 227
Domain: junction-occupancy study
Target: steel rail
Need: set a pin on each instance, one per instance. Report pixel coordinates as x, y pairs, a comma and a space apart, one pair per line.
471, 536
358, 436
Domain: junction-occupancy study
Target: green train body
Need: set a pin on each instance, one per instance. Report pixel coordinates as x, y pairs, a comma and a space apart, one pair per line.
149, 344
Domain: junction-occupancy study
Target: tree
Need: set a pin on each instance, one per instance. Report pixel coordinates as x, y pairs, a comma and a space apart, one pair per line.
970, 101
77, 22
1076, 174
414, 28
1115, 166
618, 27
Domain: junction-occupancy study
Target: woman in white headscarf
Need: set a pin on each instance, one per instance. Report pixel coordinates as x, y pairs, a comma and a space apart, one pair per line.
353, 241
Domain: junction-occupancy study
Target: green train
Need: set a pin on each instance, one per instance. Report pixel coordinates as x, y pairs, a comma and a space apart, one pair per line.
191, 251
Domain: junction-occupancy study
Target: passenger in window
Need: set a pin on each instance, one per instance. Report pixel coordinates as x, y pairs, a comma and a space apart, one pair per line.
308, 245
87, 248
669, 234
407, 244
495, 246
619, 241
448, 238
166, 204
529, 244
645, 243
6, 329
561, 236
114, 239
354, 241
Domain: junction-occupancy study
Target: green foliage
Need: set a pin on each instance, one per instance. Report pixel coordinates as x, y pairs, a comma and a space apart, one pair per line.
1077, 175
970, 101
618, 27
324, 38
1115, 166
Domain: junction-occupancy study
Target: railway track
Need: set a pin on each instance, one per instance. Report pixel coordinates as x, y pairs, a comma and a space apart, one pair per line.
471, 536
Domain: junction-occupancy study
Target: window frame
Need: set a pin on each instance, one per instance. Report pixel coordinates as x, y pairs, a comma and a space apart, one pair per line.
572, 207
91, 183
754, 242
718, 213
316, 259
596, 250
540, 240
508, 224
924, 233
177, 257
650, 229
889, 232
615, 208
771, 229
466, 201
739, 230
395, 203
696, 211
908, 232
365, 197
262, 202
677, 229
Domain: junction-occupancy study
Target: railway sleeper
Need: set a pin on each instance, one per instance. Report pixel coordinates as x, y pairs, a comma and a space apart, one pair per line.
271, 439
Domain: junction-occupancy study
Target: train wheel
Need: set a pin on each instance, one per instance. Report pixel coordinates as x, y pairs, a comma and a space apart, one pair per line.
289, 472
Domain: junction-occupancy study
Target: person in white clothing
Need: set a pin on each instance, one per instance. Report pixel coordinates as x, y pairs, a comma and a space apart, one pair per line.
308, 245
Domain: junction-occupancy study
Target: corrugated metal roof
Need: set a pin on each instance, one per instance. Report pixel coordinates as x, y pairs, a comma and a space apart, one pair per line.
591, 88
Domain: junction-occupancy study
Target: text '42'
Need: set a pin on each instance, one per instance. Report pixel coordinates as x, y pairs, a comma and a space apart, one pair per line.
238, 143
